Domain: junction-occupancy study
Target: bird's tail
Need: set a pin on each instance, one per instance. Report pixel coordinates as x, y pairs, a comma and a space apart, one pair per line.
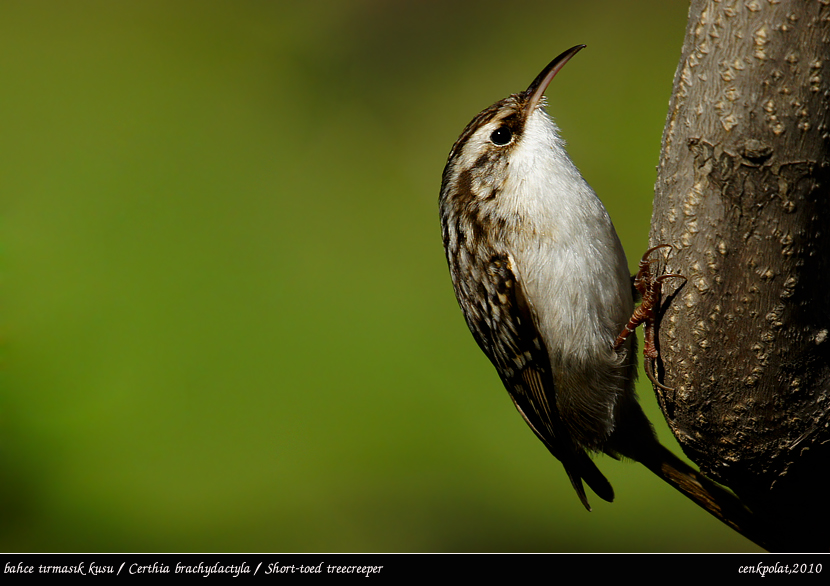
635, 439
580, 467
709, 495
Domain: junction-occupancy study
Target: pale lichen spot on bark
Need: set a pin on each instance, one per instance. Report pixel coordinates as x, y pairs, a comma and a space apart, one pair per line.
692, 226
690, 205
690, 300
774, 316
702, 285
787, 248
686, 74
761, 37
729, 122
786, 293
766, 274
711, 261
704, 18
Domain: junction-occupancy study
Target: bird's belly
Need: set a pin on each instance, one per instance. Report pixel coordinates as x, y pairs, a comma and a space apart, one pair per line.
580, 304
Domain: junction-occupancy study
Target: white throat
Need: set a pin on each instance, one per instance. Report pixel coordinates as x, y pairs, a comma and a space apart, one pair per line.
566, 247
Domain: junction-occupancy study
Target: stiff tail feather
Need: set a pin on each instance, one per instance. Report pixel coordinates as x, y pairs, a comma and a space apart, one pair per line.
583, 468
718, 501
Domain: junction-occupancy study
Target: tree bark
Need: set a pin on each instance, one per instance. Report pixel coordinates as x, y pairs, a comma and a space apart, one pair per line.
742, 196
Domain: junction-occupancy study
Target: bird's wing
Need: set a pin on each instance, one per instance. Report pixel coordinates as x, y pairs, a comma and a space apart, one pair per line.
507, 333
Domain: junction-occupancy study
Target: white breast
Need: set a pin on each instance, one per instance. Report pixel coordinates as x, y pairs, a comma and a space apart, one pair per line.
573, 270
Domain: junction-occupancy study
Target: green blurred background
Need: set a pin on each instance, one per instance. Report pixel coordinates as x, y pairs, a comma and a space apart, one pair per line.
227, 322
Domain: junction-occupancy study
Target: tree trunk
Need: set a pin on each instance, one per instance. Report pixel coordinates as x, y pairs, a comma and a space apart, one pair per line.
742, 196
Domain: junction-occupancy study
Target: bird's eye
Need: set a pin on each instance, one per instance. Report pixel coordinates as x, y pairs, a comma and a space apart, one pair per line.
501, 136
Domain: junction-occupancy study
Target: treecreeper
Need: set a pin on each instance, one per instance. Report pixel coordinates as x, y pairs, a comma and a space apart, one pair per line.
543, 282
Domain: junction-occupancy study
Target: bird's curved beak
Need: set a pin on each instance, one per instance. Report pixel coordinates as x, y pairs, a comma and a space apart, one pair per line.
537, 89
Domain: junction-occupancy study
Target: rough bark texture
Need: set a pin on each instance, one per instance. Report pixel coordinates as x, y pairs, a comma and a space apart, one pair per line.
743, 194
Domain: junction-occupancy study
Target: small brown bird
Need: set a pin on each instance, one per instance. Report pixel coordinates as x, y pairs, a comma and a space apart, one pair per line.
543, 283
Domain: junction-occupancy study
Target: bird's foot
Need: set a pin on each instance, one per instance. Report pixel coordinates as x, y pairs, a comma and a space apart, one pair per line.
650, 288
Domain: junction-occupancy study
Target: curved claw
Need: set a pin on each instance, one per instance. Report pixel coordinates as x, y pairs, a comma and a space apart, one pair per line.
661, 278
653, 248
648, 366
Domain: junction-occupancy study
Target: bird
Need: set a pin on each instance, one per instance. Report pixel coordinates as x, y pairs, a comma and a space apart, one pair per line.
543, 282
